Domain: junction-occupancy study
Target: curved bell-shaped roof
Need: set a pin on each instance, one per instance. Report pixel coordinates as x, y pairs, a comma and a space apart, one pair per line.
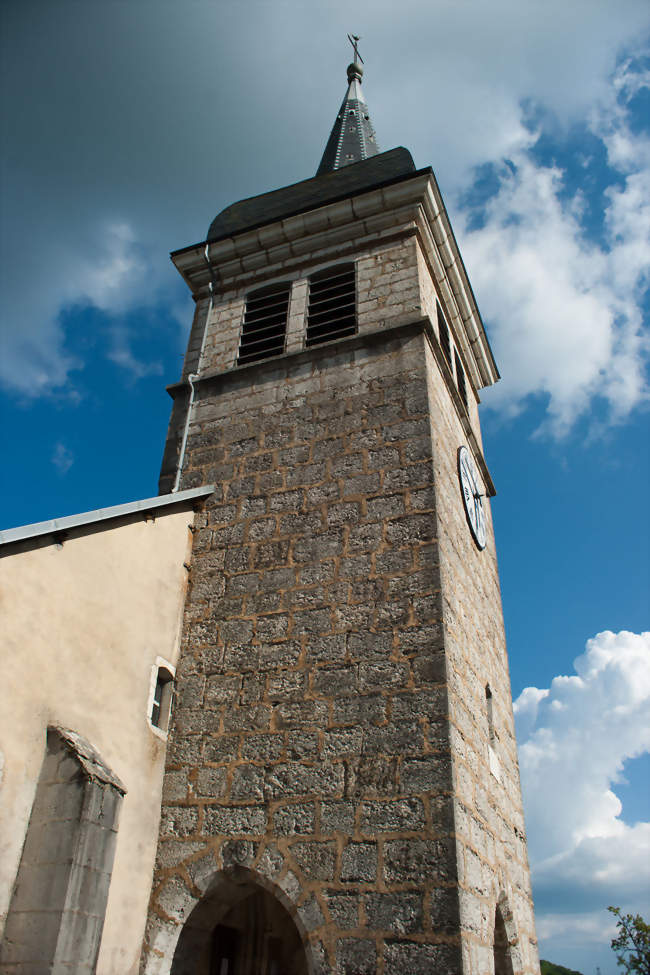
384, 168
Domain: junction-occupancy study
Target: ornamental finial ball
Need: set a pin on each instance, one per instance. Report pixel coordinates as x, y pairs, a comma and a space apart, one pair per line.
354, 71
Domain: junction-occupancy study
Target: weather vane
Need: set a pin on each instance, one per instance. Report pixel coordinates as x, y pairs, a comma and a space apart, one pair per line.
354, 41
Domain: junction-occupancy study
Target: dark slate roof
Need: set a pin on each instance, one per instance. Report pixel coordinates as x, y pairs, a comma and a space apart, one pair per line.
379, 170
352, 137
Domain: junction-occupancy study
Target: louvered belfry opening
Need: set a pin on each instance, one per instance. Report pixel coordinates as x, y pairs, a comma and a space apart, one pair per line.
443, 333
332, 312
460, 378
265, 323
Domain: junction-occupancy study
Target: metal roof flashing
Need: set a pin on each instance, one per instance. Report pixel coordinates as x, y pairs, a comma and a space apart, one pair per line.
57, 526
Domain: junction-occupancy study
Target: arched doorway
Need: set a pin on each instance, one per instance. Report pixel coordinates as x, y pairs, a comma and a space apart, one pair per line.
502, 953
239, 928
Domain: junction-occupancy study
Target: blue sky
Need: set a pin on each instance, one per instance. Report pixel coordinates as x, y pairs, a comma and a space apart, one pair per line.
127, 126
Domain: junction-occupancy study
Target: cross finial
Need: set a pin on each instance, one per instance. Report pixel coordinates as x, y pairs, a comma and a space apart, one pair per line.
354, 41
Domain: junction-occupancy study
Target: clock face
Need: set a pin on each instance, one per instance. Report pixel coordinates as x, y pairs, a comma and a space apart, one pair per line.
472, 495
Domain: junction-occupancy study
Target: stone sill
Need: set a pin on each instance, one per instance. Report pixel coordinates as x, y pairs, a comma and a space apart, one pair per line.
253, 372
495, 764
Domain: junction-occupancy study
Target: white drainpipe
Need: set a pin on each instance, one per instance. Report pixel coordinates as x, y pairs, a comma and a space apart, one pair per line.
191, 378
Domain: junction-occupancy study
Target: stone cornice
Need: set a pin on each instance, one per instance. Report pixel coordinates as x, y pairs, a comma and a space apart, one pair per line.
220, 381
458, 297
288, 246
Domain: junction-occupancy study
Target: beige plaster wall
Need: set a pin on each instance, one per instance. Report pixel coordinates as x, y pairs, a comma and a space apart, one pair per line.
83, 624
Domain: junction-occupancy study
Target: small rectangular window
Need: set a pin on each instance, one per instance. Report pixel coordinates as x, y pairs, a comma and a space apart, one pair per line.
490, 713
443, 334
162, 699
460, 378
265, 323
495, 764
332, 311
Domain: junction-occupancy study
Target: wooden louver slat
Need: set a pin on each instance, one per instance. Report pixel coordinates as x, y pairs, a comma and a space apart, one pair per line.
460, 378
443, 334
332, 304
265, 323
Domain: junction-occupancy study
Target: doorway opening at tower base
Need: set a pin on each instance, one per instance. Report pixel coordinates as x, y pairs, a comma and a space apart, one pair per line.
239, 928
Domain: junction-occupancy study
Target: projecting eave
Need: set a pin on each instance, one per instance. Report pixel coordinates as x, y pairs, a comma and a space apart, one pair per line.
58, 527
405, 204
380, 206
453, 281
249, 227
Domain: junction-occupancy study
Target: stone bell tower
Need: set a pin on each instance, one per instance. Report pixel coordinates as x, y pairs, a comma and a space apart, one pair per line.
342, 791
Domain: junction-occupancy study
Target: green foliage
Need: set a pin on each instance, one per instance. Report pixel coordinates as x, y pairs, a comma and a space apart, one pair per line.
548, 968
632, 943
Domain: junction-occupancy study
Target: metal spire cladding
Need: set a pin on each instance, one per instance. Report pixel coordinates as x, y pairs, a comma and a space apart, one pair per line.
352, 137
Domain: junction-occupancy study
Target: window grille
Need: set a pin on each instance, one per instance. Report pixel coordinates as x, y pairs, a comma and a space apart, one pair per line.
332, 312
265, 323
443, 334
460, 378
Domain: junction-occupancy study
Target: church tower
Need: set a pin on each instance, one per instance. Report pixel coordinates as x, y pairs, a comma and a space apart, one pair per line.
342, 791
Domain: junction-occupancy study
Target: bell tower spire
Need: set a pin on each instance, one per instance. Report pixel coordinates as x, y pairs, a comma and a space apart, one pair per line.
352, 137
342, 790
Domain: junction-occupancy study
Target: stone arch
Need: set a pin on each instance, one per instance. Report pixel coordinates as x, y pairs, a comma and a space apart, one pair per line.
505, 941
243, 923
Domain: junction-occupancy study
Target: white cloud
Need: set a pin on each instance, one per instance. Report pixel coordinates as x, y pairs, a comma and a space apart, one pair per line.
114, 275
574, 738
62, 458
34, 359
95, 198
469, 67
585, 927
526, 709
111, 270
565, 312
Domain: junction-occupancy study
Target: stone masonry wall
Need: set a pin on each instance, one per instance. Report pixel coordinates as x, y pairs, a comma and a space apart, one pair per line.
331, 731
388, 287
492, 856
428, 298
387, 284
388, 290
310, 740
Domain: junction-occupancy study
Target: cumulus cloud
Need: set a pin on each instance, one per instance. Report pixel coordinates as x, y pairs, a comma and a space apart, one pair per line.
574, 740
478, 63
103, 178
565, 310
114, 273
112, 277
574, 930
